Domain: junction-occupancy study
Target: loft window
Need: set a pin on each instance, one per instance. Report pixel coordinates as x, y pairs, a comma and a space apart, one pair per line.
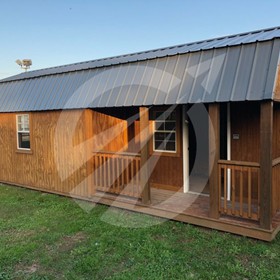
23, 132
165, 131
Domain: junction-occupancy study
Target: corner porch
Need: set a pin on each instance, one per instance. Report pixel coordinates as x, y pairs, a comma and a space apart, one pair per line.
242, 197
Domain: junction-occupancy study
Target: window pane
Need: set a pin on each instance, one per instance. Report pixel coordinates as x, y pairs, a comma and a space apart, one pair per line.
170, 146
159, 125
170, 136
160, 136
26, 127
23, 123
165, 131
159, 145
20, 127
24, 140
170, 126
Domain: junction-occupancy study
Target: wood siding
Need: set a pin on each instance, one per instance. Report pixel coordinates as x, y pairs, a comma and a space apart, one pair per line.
276, 131
110, 132
277, 86
57, 160
60, 157
245, 121
166, 167
276, 155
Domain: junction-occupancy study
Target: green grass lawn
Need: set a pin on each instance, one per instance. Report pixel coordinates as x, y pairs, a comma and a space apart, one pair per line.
44, 236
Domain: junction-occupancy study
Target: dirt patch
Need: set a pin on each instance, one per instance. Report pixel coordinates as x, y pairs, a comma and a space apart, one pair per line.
20, 268
67, 243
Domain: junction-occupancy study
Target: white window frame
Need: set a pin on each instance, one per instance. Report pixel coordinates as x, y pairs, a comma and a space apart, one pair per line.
165, 131
23, 131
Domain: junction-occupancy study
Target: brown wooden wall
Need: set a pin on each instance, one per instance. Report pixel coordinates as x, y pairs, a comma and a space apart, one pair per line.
245, 121
166, 168
277, 86
275, 155
276, 131
57, 160
110, 132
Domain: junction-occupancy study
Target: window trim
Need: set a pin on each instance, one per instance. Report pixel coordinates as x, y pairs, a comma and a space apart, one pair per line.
164, 131
19, 131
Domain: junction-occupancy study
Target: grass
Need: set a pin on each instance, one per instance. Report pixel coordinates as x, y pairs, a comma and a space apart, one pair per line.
44, 236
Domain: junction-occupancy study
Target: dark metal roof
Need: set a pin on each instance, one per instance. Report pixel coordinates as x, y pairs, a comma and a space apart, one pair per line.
238, 72
226, 41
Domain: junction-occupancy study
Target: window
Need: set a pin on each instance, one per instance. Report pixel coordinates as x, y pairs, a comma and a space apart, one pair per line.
165, 131
23, 133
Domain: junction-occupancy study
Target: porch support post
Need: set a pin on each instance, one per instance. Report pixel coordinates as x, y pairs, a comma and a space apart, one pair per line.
144, 145
88, 130
214, 156
266, 131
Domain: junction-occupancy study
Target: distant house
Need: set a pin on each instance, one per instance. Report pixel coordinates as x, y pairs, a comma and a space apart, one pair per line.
190, 132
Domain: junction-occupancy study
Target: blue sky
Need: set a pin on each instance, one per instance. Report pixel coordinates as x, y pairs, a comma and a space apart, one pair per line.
60, 32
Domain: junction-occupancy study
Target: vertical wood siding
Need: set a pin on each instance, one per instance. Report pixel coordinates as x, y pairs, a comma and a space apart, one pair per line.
245, 121
57, 160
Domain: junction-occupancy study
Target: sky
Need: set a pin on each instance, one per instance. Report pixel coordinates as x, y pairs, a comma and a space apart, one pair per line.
60, 32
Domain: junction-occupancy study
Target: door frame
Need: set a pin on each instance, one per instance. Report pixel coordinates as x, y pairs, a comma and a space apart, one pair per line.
185, 136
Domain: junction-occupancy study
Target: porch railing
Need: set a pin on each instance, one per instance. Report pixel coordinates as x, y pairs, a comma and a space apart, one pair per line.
239, 189
275, 185
117, 173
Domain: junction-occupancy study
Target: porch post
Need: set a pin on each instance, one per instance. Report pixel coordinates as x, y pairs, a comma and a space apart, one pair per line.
266, 130
144, 145
214, 156
89, 165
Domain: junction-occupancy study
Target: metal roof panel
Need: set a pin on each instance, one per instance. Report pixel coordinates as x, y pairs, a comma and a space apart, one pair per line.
243, 72
238, 39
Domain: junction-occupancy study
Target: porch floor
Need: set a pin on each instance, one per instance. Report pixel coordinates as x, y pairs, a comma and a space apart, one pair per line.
190, 208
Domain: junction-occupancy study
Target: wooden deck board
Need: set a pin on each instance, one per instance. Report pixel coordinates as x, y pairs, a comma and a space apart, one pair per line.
169, 205
193, 209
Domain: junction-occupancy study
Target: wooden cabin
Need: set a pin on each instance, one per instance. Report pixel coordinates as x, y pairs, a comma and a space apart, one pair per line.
189, 132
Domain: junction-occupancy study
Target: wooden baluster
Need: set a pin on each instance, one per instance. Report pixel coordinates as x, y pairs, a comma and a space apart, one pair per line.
225, 189
233, 190
110, 174
107, 160
122, 176
241, 193
118, 175
249, 193
132, 177
113, 175
100, 171
127, 172
259, 193
95, 171
138, 176
220, 186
